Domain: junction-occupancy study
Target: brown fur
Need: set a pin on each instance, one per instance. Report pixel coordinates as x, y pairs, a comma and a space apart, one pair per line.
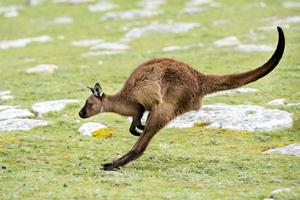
167, 88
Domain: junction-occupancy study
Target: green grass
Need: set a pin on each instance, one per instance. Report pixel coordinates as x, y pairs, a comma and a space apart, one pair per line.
55, 162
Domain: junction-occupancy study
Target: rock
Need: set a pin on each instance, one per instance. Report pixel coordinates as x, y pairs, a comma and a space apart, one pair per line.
158, 28
21, 124
294, 5
247, 48
233, 91
180, 48
12, 113
43, 68
52, 106
194, 6
89, 127
277, 102
228, 41
73, 1
238, 117
63, 20
292, 149
5, 95
110, 46
130, 14
86, 42
101, 53
9, 12
281, 102
7, 44
4, 107
101, 6
151, 4
280, 190
284, 23
112, 173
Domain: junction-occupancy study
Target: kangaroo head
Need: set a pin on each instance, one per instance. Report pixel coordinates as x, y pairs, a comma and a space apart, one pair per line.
93, 104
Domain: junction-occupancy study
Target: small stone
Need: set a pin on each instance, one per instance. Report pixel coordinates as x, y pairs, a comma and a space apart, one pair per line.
86, 42
20, 124
158, 28
112, 173
292, 149
280, 190
42, 68
44, 107
9, 12
277, 102
247, 48
110, 46
7, 44
228, 41
73, 1
101, 53
63, 20
89, 127
293, 5
15, 113
6, 97
101, 6
130, 14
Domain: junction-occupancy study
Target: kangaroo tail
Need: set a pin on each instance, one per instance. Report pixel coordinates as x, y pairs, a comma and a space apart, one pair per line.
224, 82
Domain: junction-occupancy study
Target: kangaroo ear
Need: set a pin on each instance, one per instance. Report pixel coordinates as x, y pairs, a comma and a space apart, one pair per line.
92, 89
98, 90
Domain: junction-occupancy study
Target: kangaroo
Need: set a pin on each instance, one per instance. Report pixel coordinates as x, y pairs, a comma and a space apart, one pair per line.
166, 88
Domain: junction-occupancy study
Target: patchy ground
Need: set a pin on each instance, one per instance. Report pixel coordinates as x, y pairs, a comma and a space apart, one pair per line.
53, 49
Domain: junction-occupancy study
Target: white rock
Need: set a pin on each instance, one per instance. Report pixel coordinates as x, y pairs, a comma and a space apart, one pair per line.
101, 6
73, 1
6, 44
130, 14
292, 149
86, 42
151, 4
238, 117
247, 48
21, 124
277, 102
5, 92
5, 107
43, 68
110, 46
158, 28
9, 11
90, 127
228, 41
6, 97
291, 5
234, 91
101, 53
12, 113
280, 190
52, 106
194, 6
180, 48
63, 20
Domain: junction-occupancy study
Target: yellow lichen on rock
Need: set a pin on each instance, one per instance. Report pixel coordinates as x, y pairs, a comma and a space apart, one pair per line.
102, 133
202, 124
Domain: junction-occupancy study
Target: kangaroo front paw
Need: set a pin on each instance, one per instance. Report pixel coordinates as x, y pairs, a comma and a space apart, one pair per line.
135, 133
109, 167
141, 127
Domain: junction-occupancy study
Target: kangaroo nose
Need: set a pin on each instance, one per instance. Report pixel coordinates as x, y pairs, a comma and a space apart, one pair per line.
81, 114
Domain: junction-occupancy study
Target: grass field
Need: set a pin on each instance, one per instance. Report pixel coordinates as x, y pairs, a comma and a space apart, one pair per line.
56, 162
